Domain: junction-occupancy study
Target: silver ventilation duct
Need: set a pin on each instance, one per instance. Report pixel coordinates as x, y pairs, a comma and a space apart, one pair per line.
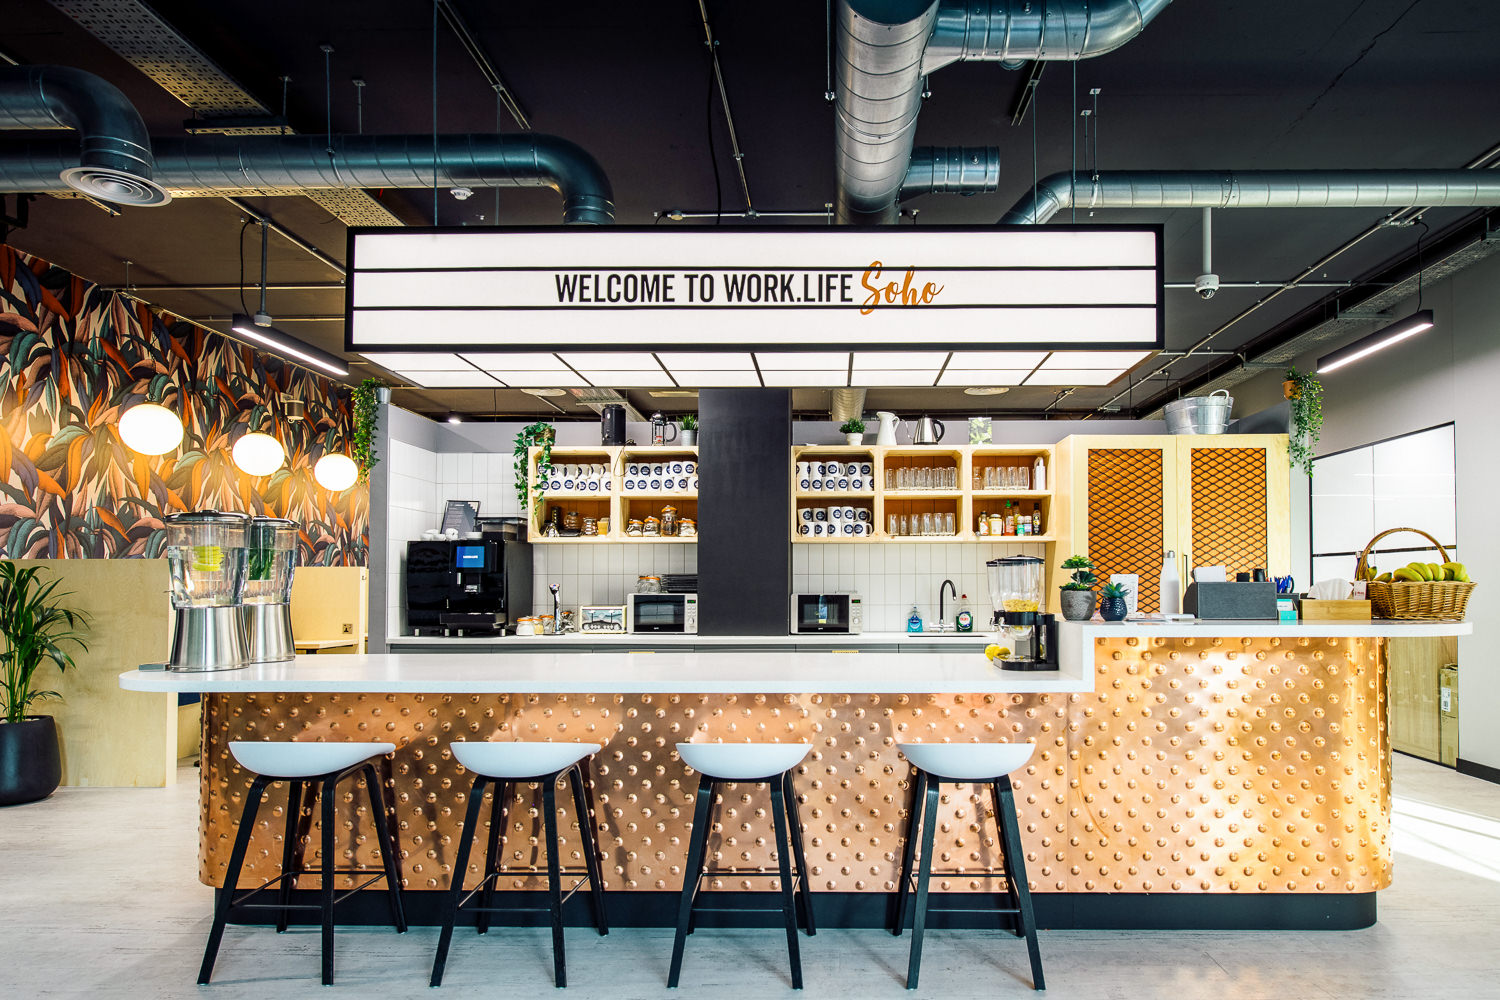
111, 161
212, 166
962, 170
887, 47
1256, 189
846, 404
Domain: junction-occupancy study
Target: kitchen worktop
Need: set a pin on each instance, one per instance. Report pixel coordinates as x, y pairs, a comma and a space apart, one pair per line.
628, 640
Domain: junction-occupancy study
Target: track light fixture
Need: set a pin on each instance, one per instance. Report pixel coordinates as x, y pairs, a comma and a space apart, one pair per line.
259, 329
1398, 331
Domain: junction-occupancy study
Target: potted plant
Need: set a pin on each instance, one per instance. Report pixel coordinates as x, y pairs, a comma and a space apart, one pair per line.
366, 400
36, 630
688, 435
1112, 606
540, 434
853, 430
1078, 592
1305, 393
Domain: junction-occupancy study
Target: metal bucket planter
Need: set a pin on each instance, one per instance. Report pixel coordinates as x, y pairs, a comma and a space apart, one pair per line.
1199, 414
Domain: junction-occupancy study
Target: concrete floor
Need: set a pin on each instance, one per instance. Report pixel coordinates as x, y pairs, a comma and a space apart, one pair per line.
100, 898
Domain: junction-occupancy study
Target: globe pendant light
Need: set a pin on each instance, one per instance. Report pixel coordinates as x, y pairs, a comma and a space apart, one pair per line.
258, 454
335, 473
150, 429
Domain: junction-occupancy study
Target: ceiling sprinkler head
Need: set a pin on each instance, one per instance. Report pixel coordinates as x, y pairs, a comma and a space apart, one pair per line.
461, 193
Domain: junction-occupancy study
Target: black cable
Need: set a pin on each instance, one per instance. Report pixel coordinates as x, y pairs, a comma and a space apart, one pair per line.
713, 154
242, 266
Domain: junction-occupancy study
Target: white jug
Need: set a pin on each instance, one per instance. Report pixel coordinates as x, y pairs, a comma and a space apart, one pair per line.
887, 433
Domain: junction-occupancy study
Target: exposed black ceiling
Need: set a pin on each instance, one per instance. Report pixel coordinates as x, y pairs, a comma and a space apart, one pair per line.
1232, 85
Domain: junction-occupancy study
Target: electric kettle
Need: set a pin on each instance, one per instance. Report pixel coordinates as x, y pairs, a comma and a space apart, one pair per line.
929, 431
887, 432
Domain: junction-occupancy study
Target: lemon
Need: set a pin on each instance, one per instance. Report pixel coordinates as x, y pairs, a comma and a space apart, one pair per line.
995, 652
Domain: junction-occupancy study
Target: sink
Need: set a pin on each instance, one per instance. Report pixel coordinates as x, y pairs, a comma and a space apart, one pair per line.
978, 638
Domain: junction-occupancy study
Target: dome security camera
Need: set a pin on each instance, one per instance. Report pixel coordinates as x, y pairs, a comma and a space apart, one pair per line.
1206, 285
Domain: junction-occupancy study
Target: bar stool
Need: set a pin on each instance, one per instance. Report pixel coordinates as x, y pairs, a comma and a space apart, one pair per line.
934, 764
754, 763
499, 765
317, 767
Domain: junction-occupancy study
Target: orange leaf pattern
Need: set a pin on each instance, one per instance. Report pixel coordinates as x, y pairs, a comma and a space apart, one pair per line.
75, 356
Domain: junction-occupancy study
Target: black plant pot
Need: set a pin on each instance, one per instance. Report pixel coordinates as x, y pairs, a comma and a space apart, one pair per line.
1078, 605
30, 760
1113, 609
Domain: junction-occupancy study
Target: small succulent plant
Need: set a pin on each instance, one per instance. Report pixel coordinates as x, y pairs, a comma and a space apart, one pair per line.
1114, 590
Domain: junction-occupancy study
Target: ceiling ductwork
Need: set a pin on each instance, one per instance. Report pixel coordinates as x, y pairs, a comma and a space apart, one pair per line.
112, 159
962, 170
213, 166
846, 404
886, 49
1256, 189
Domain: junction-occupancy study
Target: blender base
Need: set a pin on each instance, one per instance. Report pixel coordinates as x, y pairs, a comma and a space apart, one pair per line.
1026, 665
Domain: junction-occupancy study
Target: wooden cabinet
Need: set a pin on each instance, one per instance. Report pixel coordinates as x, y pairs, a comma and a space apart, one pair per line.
1212, 500
616, 490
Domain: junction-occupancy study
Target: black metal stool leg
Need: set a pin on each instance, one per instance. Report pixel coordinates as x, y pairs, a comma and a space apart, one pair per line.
327, 791
554, 878
804, 886
692, 871
589, 834
460, 871
909, 849
788, 892
1006, 853
492, 854
288, 852
1015, 873
392, 864
232, 876
919, 919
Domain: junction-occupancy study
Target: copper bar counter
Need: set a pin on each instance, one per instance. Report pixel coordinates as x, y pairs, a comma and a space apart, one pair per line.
1188, 775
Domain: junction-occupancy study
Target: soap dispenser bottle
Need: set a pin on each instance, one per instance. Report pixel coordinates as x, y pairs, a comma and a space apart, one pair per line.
914, 623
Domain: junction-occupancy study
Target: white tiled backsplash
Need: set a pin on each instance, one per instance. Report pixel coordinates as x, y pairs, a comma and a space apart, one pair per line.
892, 576
602, 572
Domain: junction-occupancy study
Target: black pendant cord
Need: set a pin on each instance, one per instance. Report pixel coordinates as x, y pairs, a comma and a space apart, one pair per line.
434, 113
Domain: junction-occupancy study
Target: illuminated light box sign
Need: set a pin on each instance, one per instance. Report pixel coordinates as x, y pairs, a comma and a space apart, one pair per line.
775, 289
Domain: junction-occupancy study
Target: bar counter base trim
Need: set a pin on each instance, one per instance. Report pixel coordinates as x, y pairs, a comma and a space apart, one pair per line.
1054, 910
1477, 770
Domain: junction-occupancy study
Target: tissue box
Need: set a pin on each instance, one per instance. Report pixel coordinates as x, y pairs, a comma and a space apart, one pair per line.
1248, 601
1335, 611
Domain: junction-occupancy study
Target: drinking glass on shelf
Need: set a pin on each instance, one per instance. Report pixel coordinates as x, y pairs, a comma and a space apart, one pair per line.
890, 479
1023, 478
892, 525
1010, 477
926, 482
978, 479
926, 524
989, 477
903, 525
948, 523
953, 477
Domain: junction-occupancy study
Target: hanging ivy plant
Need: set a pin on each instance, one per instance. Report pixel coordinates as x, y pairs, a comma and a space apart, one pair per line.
1305, 393
541, 435
366, 412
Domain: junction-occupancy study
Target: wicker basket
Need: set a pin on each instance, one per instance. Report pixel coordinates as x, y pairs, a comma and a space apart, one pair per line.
1434, 600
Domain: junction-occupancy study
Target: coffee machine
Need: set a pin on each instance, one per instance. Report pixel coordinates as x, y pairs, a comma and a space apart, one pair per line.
472, 586
206, 560
1027, 636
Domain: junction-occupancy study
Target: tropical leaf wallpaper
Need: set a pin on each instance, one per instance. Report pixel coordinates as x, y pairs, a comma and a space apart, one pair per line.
74, 356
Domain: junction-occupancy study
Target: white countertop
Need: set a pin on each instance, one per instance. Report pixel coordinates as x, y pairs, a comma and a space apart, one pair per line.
965, 670
631, 639
623, 673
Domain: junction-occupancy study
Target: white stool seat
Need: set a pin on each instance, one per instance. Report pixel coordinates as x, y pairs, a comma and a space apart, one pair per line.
509, 760
968, 761
290, 759
742, 761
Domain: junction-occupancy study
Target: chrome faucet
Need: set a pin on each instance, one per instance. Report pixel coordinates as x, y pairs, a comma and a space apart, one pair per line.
942, 623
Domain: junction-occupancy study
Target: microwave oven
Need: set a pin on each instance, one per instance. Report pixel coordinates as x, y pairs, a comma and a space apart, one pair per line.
669, 613
828, 613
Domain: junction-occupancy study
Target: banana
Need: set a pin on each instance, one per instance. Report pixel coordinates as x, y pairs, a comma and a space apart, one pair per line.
1435, 572
1455, 571
1419, 570
1383, 578
1406, 575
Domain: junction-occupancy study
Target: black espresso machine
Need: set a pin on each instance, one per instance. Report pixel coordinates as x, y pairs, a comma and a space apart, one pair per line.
469, 586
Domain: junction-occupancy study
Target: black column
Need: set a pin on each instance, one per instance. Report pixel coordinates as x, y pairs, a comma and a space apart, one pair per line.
744, 486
